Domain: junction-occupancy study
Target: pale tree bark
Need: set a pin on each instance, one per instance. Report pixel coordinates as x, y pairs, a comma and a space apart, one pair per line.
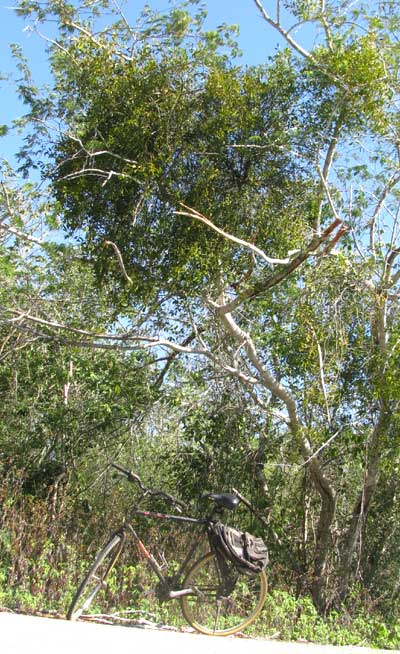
321, 483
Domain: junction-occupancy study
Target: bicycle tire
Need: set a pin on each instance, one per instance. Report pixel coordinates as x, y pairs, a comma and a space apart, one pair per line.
95, 577
213, 611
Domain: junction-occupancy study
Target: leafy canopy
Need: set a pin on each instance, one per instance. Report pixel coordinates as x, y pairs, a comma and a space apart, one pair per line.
163, 116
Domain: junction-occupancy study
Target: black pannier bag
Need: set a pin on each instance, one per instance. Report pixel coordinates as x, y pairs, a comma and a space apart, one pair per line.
246, 552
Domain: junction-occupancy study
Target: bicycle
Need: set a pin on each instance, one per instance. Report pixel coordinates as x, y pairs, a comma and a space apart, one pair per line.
216, 597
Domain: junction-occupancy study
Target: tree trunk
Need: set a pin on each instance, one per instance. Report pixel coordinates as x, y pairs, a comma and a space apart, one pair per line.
362, 505
323, 539
299, 433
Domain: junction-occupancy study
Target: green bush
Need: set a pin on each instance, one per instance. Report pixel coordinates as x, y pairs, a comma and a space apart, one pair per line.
288, 618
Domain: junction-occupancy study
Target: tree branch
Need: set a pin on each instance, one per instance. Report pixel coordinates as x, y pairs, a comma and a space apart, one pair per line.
277, 26
393, 181
171, 358
120, 260
192, 213
276, 278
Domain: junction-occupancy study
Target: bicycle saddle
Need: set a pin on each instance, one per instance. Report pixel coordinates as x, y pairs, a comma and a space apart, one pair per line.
225, 500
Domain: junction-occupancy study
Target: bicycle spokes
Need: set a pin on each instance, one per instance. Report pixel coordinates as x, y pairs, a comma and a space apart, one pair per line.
224, 601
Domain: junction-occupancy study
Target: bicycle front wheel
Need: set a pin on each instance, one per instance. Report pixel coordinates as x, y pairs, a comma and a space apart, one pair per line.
222, 606
95, 578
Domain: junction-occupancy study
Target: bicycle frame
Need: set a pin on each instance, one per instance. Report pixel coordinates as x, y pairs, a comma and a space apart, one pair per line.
211, 599
168, 591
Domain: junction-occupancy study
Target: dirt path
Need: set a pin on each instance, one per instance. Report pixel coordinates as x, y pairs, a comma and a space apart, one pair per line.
23, 634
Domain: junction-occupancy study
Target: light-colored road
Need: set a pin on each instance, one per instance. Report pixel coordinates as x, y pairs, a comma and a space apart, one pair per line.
24, 634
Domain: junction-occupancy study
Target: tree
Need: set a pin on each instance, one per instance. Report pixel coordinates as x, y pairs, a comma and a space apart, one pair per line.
212, 197
55, 397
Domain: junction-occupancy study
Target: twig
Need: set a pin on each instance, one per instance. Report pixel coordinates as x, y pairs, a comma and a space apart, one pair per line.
120, 260
321, 448
393, 181
171, 358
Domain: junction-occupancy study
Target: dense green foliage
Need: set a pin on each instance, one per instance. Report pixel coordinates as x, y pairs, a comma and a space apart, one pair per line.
168, 128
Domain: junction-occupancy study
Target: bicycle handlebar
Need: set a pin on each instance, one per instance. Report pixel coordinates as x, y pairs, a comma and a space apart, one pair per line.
135, 479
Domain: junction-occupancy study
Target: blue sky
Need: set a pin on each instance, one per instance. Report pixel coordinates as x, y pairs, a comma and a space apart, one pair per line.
257, 40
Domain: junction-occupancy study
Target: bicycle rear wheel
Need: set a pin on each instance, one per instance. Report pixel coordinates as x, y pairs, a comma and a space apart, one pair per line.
95, 577
221, 607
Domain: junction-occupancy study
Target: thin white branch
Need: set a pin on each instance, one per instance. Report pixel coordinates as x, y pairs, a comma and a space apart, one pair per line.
192, 213
13, 230
393, 181
21, 235
277, 25
395, 278
276, 278
328, 193
90, 153
97, 172
315, 454
278, 415
98, 43
53, 42
322, 381
296, 46
120, 260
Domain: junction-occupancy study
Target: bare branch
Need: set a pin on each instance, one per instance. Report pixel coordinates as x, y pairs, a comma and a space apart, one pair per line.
97, 172
172, 357
270, 281
120, 260
395, 278
192, 213
328, 193
21, 235
322, 379
337, 119
268, 410
277, 25
98, 43
319, 450
393, 181
54, 43
388, 281
13, 230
